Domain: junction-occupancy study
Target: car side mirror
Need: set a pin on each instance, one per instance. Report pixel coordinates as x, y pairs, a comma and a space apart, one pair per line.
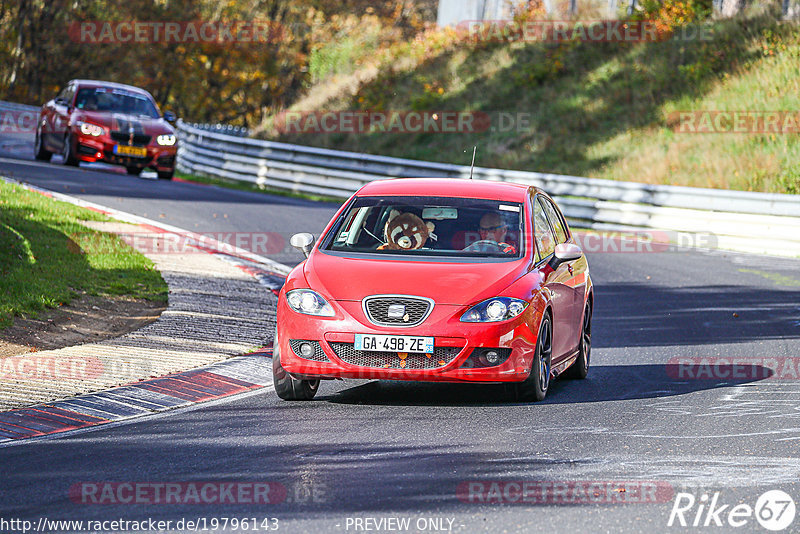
170, 116
303, 242
565, 252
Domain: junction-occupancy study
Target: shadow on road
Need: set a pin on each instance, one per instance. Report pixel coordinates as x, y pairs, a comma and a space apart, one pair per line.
605, 384
646, 315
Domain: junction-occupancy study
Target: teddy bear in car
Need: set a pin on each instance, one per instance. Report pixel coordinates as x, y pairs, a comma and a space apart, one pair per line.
406, 231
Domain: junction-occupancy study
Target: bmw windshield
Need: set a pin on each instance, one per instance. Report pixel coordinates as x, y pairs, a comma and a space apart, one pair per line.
115, 100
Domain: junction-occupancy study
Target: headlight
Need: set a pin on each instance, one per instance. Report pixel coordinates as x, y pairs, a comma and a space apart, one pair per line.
166, 140
494, 310
87, 128
309, 303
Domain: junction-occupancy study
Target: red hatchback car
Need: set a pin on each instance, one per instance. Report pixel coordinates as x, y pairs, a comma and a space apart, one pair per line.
109, 122
442, 280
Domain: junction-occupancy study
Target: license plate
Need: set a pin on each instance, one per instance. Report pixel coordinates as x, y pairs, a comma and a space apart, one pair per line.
380, 343
135, 151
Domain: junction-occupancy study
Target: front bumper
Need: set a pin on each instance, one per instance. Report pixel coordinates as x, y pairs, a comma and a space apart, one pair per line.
454, 342
93, 149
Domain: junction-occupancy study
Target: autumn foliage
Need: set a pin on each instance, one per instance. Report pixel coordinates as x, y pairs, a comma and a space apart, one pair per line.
235, 81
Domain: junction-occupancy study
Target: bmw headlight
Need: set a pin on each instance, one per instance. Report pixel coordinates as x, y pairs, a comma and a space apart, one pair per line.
166, 140
494, 310
309, 302
87, 128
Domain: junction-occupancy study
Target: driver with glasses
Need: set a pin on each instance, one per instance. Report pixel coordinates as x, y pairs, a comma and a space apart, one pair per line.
492, 231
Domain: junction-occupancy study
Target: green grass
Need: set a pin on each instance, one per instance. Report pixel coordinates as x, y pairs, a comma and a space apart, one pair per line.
597, 109
49, 258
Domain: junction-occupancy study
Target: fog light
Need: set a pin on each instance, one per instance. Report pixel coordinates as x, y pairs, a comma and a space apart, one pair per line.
99, 155
492, 357
306, 350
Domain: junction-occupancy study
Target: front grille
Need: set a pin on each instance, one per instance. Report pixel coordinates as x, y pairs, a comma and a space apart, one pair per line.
166, 160
87, 150
390, 360
318, 356
125, 137
417, 310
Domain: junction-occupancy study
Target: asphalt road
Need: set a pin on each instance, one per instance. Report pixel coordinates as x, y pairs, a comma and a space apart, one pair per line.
378, 450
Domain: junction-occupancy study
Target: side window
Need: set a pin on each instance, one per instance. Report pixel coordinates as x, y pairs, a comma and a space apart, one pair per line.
67, 93
555, 220
545, 241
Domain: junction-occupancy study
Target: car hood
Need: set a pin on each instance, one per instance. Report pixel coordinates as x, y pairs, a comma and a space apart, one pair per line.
124, 122
342, 278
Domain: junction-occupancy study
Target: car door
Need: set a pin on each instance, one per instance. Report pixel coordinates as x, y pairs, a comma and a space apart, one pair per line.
576, 268
62, 106
556, 281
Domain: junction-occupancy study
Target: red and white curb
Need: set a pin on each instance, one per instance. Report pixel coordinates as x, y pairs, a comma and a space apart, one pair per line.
233, 376
224, 379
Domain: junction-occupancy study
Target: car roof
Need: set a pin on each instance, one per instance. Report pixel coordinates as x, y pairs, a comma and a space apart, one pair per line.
446, 187
110, 85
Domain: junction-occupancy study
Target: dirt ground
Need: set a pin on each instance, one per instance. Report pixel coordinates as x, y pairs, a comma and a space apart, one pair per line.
86, 320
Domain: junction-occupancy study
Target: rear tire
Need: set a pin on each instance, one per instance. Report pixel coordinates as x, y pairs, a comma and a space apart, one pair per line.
535, 387
165, 175
39, 151
580, 368
286, 386
134, 171
68, 154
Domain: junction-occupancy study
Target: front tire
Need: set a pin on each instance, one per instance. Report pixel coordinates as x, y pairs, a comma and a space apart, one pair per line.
39, 151
286, 386
68, 154
535, 387
165, 175
580, 368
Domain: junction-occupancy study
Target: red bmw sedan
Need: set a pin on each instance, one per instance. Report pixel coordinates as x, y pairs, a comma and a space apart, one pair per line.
442, 280
109, 122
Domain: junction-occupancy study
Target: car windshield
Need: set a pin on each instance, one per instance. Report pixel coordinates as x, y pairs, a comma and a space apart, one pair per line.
116, 101
429, 226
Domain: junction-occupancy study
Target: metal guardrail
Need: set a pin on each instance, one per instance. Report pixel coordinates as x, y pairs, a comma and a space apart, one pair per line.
226, 129
713, 218
17, 107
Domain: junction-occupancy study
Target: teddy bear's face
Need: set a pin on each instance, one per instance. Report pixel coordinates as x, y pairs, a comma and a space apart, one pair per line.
407, 232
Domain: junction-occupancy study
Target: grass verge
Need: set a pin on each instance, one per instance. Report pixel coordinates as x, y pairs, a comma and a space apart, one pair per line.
46, 261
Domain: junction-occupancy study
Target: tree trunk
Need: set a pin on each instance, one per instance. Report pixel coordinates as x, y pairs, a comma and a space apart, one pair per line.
731, 8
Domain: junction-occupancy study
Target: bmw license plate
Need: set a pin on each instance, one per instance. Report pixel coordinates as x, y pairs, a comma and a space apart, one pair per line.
380, 343
135, 151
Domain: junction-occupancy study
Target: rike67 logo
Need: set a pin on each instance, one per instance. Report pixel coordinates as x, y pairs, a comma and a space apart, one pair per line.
774, 510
